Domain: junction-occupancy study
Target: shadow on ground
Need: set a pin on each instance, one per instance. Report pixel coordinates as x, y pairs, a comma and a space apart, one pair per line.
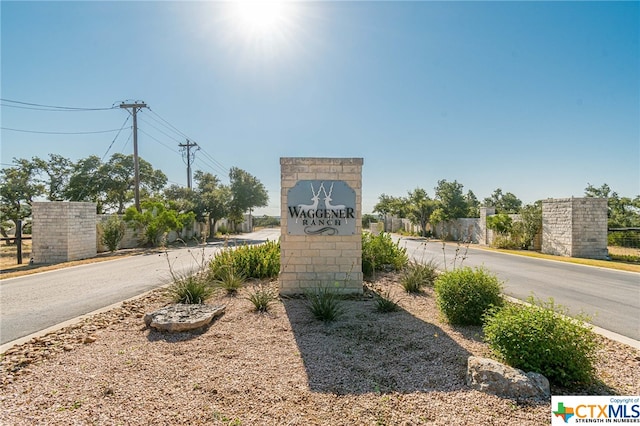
367, 351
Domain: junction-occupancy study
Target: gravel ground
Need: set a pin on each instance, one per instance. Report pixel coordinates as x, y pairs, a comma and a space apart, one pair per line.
279, 368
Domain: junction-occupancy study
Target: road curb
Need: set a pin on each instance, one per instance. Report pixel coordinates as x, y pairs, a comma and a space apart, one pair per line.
598, 330
22, 340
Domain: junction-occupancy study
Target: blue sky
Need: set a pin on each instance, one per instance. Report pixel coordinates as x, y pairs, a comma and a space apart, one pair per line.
536, 98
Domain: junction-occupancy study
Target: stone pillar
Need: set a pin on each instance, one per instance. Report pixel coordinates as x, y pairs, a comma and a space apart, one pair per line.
321, 224
575, 227
485, 236
63, 231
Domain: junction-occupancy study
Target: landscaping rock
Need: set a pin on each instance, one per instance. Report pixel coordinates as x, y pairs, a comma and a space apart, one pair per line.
183, 317
490, 376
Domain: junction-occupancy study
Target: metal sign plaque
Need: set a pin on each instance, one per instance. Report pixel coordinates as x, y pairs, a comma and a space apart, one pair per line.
321, 207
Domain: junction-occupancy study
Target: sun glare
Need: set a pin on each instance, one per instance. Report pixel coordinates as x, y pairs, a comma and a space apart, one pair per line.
261, 19
260, 31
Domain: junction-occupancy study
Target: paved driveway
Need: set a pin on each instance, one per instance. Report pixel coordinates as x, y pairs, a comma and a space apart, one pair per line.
35, 302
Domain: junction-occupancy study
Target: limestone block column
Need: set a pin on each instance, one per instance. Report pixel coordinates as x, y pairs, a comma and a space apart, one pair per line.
63, 231
321, 224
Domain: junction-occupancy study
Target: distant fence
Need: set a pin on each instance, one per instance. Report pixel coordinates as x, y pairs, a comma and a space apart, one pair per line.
624, 237
18, 238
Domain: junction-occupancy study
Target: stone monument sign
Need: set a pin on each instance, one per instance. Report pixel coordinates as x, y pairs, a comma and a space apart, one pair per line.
321, 222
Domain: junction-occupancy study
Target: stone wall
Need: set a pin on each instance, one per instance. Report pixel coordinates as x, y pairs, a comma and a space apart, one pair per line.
63, 231
312, 261
575, 227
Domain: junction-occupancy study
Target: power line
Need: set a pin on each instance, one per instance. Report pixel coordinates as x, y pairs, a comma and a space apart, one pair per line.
159, 141
180, 136
169, 124
30, 105
178, 131
167, 135
114, 139
59, 133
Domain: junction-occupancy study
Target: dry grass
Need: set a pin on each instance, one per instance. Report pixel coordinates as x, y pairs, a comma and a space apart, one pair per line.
621, 266
284, 367
8, 258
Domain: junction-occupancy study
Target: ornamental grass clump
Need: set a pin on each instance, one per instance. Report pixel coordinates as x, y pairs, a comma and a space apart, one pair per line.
191, 289
463, 295
261, 298
324, 303
228, 279
418, 275
540, 337
384, 303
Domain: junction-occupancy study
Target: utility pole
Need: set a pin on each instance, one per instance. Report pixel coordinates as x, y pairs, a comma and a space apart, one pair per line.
189, 157
136, 164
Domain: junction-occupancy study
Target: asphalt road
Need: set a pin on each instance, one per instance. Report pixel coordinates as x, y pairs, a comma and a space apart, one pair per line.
611, 298
35, 302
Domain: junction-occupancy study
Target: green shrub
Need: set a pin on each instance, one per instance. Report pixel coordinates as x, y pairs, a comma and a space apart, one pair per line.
156, 220
255, 261
542, 339
112, 232
628, 258
418, 275
192, 289
261, 298
379, 252
222, 229
464, 294
506, 242
324, 303
384, 302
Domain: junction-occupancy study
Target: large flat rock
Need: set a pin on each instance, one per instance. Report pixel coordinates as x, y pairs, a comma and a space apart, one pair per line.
183, 317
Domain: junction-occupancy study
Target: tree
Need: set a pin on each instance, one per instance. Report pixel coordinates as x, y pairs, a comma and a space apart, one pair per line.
390, 205
367, 219
419, 209
623, 212
119, 181
504, 203
156, 220
182, 199
58, 170
86, 182
247, 193
452, 203
212, 198
501, 223
531, 219
473, 205
18, 188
